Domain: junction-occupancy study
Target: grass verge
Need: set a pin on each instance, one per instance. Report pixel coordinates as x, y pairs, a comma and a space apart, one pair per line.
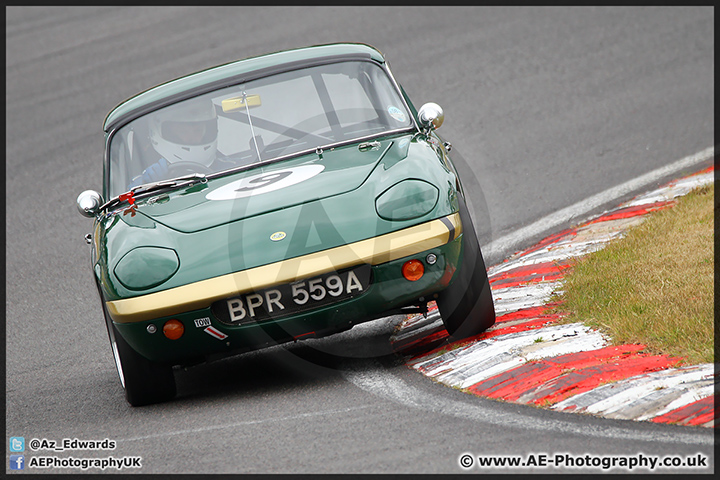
655, 286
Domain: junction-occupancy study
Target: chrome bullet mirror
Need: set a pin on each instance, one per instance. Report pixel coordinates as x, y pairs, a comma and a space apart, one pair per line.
430, 116
88, 203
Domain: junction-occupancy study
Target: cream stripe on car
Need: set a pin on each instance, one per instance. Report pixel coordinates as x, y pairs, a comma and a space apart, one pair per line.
202, 294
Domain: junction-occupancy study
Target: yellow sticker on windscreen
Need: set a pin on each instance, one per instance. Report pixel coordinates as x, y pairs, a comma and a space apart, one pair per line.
238, 103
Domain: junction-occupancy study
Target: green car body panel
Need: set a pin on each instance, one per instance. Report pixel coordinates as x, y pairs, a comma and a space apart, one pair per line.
191, 239
388, 288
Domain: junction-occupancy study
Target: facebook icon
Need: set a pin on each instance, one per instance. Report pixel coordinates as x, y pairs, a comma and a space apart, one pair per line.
17, 462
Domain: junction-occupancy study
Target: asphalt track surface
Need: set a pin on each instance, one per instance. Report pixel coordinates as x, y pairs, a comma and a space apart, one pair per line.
547, 107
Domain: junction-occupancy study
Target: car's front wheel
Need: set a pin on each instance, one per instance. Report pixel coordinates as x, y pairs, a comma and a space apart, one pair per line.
145, 382
466, 306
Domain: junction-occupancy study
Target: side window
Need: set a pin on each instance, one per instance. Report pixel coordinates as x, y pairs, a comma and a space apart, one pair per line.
118, 164
125, 158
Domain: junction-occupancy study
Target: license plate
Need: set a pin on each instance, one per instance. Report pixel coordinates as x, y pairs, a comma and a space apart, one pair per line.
292, 298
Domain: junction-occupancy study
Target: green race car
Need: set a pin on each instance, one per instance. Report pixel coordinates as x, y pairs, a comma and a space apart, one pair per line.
277, 198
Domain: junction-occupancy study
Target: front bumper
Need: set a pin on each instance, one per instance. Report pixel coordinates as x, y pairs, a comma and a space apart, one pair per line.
206, 336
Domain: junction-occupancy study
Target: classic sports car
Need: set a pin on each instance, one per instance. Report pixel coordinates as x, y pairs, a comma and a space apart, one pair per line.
277, 198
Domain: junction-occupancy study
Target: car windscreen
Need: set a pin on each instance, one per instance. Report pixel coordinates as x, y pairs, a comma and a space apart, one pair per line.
257, 121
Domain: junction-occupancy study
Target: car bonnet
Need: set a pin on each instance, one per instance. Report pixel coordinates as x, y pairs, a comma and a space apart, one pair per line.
264, 189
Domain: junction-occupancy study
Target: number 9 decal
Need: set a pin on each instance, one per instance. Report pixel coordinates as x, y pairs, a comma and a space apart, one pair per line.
265, 182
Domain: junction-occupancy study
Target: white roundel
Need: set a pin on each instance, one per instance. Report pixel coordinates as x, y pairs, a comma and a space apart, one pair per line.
265, 182
277, 236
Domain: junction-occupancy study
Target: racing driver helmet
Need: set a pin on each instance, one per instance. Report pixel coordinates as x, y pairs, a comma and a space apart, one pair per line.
186, 132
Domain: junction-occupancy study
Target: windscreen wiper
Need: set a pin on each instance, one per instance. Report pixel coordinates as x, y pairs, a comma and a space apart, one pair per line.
130, 195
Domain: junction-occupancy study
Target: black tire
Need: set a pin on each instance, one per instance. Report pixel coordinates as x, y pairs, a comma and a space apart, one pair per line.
145, 382
466, 306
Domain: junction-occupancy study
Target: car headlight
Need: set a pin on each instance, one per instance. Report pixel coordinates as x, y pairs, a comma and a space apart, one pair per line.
146, 267
406, 200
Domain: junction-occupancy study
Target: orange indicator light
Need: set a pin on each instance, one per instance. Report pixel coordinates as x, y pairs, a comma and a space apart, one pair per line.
413, 270
173, 329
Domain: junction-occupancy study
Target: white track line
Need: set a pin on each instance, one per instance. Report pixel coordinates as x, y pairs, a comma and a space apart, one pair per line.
504, 244
239, 425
